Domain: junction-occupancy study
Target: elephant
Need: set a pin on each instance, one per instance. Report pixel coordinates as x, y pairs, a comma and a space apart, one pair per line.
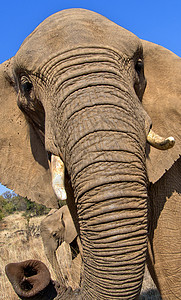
90, 94
58, 227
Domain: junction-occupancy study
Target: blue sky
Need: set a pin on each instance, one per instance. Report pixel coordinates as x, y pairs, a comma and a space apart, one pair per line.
156, 21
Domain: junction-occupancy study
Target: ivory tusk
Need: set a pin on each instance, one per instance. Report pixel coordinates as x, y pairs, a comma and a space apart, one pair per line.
58, 170
159, 142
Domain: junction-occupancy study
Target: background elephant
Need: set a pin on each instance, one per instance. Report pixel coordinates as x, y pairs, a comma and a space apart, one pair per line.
58, 227
78, 93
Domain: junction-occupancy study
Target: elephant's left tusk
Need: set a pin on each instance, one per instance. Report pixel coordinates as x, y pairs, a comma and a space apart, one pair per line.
58, 170
159, 142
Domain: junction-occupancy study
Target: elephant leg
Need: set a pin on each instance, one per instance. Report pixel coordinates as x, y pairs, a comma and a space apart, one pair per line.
164, 260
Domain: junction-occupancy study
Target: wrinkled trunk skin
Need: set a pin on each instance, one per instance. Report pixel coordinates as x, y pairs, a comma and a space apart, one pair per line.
102, 140
51, 255
113, 229
50, 246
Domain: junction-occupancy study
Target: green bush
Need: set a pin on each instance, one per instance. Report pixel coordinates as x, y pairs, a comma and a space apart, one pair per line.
10, 203
1, 214
34, 209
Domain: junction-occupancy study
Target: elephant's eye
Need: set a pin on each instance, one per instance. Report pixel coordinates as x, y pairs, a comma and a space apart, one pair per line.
139, 66
26, 85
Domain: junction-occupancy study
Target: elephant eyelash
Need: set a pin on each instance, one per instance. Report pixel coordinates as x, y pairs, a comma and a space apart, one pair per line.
139, 66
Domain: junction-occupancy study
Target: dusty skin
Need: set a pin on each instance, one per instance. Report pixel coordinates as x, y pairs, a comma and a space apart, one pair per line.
76, 89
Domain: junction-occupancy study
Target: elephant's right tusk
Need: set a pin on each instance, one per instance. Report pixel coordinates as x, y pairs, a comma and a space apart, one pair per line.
58, 170
159, 142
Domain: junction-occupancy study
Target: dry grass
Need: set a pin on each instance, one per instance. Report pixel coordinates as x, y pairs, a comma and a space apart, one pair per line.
21, 241
18, 243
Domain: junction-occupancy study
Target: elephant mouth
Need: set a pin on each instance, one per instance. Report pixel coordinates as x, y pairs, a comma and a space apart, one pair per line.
58, 169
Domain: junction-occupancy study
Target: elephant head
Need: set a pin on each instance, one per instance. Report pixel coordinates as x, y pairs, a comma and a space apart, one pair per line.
75, 90
58, 227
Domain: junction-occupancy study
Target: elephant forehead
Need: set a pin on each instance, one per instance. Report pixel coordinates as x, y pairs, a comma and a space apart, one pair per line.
75, 28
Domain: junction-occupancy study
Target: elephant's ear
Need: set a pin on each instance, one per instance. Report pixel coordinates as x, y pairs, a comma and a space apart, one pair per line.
70, 232
162, 101
23, 159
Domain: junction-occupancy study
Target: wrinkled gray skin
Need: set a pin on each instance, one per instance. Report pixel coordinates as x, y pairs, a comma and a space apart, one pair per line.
58, 227
76, 88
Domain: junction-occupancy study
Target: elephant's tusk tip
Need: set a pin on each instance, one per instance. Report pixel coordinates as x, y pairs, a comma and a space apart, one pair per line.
159, 142
171, 141
58, 187
57, 170
60, 192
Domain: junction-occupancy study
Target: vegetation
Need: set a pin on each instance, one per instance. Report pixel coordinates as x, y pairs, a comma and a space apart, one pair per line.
11, 202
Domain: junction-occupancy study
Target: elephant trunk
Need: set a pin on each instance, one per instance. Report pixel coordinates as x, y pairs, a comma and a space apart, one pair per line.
50, 246
51, 255
112, 214
101, 135
31, 280
105, 158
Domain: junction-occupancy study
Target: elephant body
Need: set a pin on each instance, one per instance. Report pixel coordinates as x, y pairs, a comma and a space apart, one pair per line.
165, 232
80, 94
